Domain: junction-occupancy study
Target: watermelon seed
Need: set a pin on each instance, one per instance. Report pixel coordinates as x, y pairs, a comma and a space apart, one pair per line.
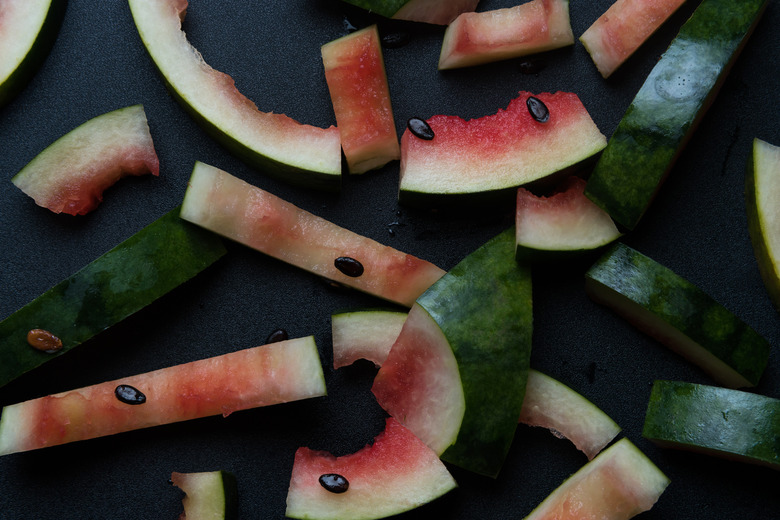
537, 109
349, 266
277, 335
420, 128
334, 482
129, 394
44, 341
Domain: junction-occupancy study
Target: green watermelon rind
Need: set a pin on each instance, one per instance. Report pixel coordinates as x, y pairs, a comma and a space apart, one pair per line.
132, 275
209, 495
40, 45
484, 308
666, 110
678, 314
716, 421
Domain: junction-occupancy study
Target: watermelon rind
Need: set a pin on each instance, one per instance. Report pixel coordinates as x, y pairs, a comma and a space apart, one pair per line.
678, 314
762, 197
436, 12
550, 404
70, 175
365, 334
237, 210
210, 495
501, 34
484, 308
132, 275
274, 143
394, 474
715, 421
28, 30
665, 112
618, 484
261, 376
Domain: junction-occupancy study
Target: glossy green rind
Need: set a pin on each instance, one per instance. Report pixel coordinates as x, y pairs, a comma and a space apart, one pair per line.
716, 421
385, 8
40, 46
149, 264
762, 201
665, 112
678, 314
211, 495
483, 306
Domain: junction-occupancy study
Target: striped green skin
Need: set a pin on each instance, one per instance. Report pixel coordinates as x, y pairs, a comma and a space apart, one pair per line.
483, 306
211, 495
664, 113
44, 40
679, 314
385, 8
717, 421
149, 264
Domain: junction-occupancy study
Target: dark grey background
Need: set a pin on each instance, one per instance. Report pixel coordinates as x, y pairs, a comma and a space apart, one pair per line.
697, 226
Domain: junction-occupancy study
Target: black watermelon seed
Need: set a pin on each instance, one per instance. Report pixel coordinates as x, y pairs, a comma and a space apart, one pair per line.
277, 335
394, 40
537, 109
129, 394
420, 128
349, 266
334, 482
530, 66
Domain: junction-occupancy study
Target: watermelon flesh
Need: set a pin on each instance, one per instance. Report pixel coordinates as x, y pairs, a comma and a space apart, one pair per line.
500, 34
500, 151
396, 473
70, 175
618, 484
565, 221
260, 376
230, 207
623, 28
357, 82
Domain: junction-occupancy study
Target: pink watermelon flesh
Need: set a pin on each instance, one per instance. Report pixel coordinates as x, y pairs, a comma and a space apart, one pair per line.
564, 221
72, 173
357, 82
260, 376
500, 34
499, 151
419, 382
438, 12
229, 206
618, 484
396, 473
623, 28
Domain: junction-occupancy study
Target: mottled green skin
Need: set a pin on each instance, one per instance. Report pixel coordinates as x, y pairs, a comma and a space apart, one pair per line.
385, 8
664, 113
483, 306
681, 306
163, 255
714, 420
17, 80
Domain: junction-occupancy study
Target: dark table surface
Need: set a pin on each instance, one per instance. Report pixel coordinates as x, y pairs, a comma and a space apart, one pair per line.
697, 226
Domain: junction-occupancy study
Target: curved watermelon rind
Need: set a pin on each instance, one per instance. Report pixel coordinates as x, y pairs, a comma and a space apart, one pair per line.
210, 495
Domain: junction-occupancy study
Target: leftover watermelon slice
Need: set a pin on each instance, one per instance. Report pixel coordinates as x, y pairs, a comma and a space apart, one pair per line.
237, 210
274, 143
357, 82
566, 221
70, 175
122, 281
437, 12
500, 34
623, 28
28, 29
396, 473
618, 484
210, 495
492, 155
365, 334
260, 376
762, 198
